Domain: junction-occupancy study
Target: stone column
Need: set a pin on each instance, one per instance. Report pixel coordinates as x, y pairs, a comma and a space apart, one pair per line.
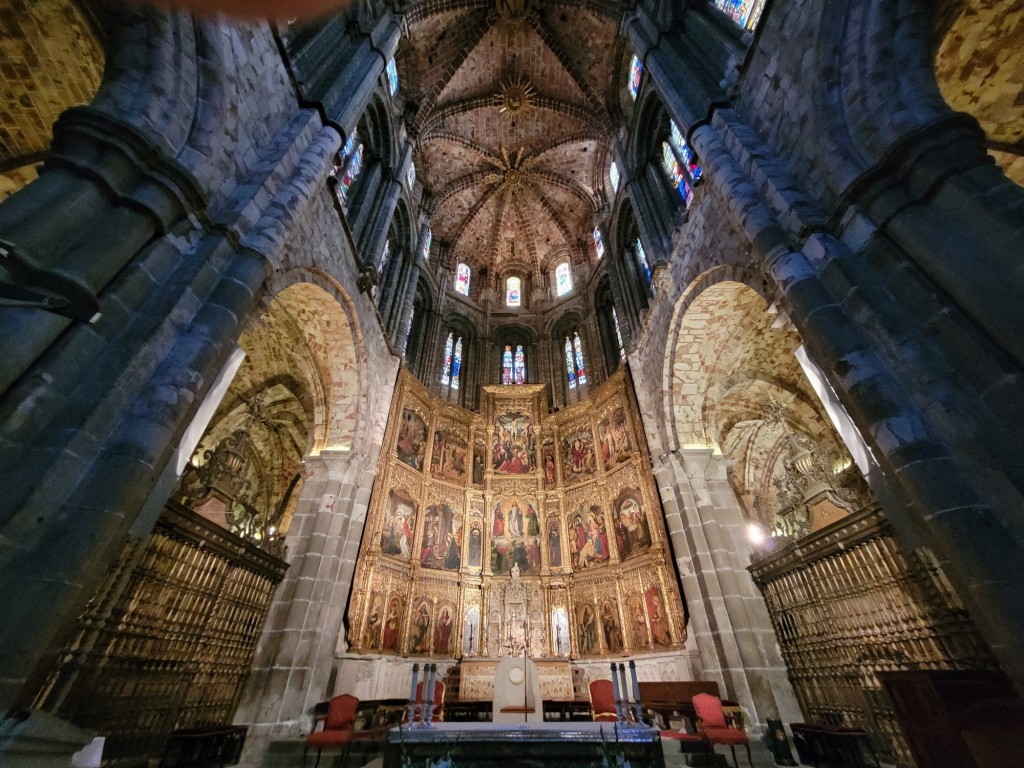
405, 323
728, 619
294, 665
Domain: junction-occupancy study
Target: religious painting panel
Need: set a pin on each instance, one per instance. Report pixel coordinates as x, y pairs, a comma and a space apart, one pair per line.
443, 630
554, 542
515, 536
476, 544
611, 630
449, 456
419, 627
587, 532
412, 439
578, 459
479, 460
637, 618
374, 622
391, 634
632, 528
548, 463
661, 634
614, 435
441, 542
586, 630
514, 450
399, 522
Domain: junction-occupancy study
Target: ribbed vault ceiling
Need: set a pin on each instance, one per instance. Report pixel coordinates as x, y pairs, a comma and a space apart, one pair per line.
510, 112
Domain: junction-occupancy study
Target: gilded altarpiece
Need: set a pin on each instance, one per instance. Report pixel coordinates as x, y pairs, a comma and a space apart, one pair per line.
515, 529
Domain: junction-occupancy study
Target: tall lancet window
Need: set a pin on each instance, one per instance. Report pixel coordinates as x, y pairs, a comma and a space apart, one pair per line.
446, 365
428, 238
745, 13
641, 260
392, 71
462, 279
457, 363
563, 279
570, 364
618, 334
513, 292
636, 71
680, 164
348, 167
598, 243
519, 366
506, 365
581, 370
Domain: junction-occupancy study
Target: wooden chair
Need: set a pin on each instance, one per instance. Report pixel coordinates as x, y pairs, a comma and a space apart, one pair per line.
602, 701
711, 724
438, 704
338, 730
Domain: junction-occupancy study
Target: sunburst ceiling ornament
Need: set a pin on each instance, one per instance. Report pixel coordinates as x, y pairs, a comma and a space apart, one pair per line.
514, 169
514, 97
514, 12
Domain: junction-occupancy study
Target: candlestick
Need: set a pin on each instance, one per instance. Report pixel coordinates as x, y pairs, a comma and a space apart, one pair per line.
618, 698
636, 692
625, 690
412, 693
427, 713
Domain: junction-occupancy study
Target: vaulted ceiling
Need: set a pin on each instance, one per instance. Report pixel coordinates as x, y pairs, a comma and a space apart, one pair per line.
509, 103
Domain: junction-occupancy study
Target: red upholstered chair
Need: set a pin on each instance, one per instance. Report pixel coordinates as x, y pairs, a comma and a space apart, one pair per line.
712, 726
438, 705
602, 701
338, 727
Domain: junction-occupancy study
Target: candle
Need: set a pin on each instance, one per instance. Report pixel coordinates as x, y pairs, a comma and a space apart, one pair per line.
412, 693
625, 690
427, 713
615, 689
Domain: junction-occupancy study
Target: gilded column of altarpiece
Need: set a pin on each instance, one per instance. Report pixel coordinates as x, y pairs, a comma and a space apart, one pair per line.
565, 501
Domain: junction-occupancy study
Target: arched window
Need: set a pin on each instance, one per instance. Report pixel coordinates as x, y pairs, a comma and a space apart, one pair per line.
618, 334
563, 279
452, 365
410, 176
513, 297
348, 167
636, 70
598, 243
462, 279
392, 71
746, 13
428, 238
519, 366
574, 364
613, 175
446, 365
679, 162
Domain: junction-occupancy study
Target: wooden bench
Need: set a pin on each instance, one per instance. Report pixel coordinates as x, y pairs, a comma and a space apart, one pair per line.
674, 699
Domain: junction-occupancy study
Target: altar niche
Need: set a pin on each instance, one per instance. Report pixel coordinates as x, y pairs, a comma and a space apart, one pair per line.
515, 532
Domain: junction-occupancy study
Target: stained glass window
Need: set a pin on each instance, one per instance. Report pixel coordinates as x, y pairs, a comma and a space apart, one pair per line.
563, 279
581, 370
675, 172
641, 259
570, 365
456, 363
618, 334
446, 367
392, 77
512, 294
427, 240
598, 243
349, 147
350, 173
410, 175
384, 256
506, 366
636, 69
746, 13
613, 175
684, 153
519, 366
462, 279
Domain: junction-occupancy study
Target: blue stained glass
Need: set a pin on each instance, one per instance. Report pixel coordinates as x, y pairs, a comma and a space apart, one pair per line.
641, 258
392, 71
519, 366
457, 363
569, 366
427, 240
684, 153
462, 279
598, 243
581, 370
351, 173
446, 366
506, 366
563, 279
746, 13
636, 70
350, 145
